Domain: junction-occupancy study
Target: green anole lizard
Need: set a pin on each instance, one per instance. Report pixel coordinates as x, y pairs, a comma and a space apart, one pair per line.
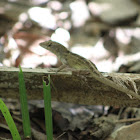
77, 62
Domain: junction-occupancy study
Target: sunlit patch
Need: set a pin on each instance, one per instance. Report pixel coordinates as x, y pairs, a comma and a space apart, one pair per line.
49, 60
88, 52
79, 13
22, 42
63, 15
37, 2
122, 60
55, 5
38, 50
6, 62
105, 66
43, 16
97, 9
61, 35
124, 35
23, 17
31, 61
67, 25
85, 51
99, 50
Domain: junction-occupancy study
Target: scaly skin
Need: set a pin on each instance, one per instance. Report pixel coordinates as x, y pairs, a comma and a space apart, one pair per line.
77, 62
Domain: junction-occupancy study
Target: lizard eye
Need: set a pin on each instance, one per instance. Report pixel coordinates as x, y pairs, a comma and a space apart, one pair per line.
49, 44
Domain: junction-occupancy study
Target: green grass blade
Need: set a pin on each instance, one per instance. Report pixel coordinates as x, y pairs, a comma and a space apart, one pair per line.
24, 106
9, 120
48, 110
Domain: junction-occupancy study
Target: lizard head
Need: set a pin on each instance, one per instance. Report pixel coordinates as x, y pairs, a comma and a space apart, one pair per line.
54, 47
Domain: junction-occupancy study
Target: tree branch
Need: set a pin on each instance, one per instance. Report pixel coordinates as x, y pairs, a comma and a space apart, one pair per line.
71, 86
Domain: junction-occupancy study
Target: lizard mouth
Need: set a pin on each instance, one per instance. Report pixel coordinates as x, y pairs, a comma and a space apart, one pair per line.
46, 44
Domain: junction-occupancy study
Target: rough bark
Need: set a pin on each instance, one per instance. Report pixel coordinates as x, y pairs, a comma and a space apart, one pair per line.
71, 86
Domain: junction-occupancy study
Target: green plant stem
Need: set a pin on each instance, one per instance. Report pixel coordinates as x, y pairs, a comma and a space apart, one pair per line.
24, 106
9, 120
47, 109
